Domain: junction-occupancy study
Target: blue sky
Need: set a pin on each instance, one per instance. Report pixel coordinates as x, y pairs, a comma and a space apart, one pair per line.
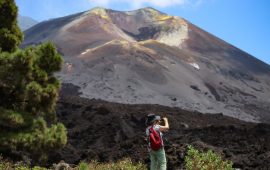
243, 23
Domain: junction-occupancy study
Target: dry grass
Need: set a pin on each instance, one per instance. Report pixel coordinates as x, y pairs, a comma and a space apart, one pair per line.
125, 164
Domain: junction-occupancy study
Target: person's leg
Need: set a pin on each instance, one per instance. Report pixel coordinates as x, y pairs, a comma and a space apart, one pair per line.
161, 158
153, 158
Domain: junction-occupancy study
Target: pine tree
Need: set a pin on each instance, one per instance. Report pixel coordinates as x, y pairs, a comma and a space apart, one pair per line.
10, 33
28, 91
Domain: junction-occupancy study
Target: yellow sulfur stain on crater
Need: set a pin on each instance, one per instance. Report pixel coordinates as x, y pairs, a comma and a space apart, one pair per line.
100, 12
163, 17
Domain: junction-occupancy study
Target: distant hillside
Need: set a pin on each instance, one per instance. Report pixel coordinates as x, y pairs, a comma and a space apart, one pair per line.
148, 57
26, 22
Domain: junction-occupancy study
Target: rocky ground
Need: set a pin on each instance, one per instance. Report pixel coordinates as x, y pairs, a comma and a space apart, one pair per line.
107, 131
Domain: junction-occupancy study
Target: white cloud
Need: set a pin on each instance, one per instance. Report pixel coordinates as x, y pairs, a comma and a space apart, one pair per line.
140, 3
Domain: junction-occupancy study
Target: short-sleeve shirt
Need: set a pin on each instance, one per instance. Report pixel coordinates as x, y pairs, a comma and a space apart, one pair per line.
156, 128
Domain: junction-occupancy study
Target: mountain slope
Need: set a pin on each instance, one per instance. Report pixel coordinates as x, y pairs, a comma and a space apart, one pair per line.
26, 22
146, 56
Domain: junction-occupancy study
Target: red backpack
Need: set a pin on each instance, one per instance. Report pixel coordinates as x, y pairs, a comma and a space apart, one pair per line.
154, 139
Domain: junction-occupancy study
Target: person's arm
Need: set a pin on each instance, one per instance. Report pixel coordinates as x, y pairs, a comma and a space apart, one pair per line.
166, 126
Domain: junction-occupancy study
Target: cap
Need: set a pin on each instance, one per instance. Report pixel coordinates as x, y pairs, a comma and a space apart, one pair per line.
151, 118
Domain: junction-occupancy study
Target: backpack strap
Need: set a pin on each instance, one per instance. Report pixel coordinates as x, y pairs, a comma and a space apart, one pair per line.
151, 129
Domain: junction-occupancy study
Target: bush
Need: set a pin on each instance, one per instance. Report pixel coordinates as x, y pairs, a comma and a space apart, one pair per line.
125, 164
83, 166
5, 165
196, 160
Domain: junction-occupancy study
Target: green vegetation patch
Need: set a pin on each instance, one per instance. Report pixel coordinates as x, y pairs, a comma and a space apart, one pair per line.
196, 160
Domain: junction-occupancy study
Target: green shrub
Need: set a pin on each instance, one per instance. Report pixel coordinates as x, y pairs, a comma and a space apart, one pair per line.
196, 160
125, 164
83, 166
5, 165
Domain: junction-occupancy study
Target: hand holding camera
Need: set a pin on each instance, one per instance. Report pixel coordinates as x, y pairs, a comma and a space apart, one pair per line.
165, 119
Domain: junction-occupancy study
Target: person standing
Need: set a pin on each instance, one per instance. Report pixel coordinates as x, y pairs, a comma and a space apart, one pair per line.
155, 142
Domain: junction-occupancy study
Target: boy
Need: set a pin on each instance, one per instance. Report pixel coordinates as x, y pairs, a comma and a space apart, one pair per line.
157, 157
